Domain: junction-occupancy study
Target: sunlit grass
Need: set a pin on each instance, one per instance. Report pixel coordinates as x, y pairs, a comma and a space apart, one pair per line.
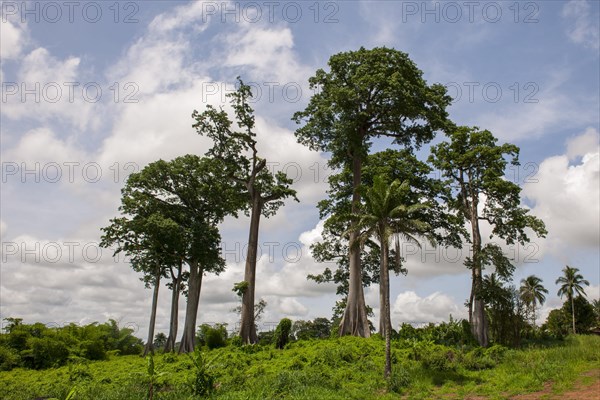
344, 368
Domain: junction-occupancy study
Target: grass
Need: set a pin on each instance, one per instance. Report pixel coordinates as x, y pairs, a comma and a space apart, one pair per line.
343, 368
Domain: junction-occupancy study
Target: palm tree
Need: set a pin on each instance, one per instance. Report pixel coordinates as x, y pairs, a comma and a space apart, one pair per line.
532, 292
596, 305
571, 284
385, 215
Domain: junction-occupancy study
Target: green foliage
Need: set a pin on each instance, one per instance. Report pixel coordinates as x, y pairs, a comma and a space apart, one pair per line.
319, 328
201, 381
438, 358
282, 333
452, 333
44, 353
9, 358
399, 380
477, 359
559, 321
93, 350
240, 287
38, 347
213, 337
342, 368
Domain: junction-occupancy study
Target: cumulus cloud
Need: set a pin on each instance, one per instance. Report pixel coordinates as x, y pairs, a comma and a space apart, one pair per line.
583, 144
13, 39
584, 28
52, 89
572, 211
41, 145
411, 308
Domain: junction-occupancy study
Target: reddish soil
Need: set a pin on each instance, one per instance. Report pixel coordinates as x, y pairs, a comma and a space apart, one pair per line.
581, 391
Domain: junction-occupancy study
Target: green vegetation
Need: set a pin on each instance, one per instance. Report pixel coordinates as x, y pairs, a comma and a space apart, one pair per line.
340, 368
37, 346
169, 227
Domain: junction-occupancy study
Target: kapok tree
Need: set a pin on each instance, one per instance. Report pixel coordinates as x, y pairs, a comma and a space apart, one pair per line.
475, 165
264, 191
367, 94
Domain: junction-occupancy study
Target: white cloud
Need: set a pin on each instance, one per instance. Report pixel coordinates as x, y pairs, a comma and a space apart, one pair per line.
583, 144
3, 228
292, 307
48, 88
411, 308
195, 12
584, 28
266, 51
41, 145
567, 197
13, 38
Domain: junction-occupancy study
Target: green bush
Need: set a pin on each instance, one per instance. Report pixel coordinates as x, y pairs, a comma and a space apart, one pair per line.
212, 337
45, 353
282, 333
93, 350
202, 381
399, 379
434, 356
9, 359
477, 360
496, 352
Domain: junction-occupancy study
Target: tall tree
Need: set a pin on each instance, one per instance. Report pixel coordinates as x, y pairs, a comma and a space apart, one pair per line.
192, 192
367, 94
532, 293
177, 285
571, 284
596, 306
385, 214
399, 165
475, 166
150, 242
263, 190
504, 309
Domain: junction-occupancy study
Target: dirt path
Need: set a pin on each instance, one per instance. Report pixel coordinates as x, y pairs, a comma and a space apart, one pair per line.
581, 391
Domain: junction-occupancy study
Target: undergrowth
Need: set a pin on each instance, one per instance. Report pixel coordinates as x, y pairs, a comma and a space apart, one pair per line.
341, 368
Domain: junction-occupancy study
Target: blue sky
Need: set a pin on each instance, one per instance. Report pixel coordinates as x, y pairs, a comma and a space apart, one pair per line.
92, 91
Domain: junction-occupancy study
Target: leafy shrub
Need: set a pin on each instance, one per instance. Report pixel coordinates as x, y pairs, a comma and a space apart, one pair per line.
496, 352
434, 356
477, 359
169, 358
265, 337
212, 337
202, 381
79, 370
93, 350
236, 341
452, 333
399, 379
9, 359
319, 328
45, 353
282, 333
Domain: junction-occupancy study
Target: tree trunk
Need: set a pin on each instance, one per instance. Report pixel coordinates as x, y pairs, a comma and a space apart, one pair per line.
385, 307
354, 321
174, 321
149, 348
248, 327
381, 298
191, 310
478, 318
573, 312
